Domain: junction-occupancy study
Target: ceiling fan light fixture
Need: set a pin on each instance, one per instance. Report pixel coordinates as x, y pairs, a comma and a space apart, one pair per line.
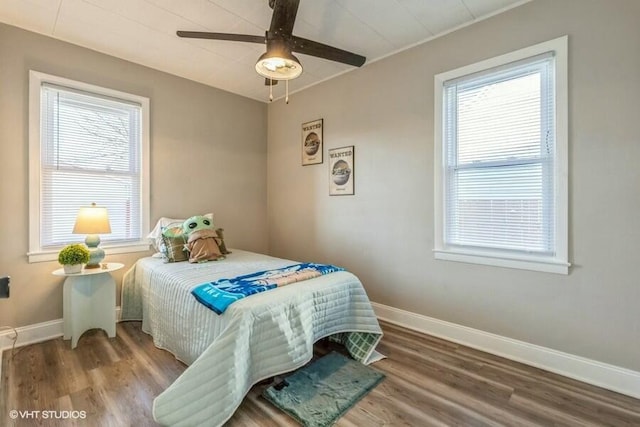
278, 65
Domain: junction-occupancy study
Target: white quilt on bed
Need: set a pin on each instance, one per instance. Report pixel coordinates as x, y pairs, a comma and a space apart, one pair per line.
257, 337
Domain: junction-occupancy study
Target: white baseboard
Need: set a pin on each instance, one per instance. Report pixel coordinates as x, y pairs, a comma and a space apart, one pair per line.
32, 334
29, 335
603, 375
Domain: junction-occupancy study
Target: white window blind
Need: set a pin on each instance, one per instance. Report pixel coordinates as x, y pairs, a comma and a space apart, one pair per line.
499, 151
501, 160
90, 152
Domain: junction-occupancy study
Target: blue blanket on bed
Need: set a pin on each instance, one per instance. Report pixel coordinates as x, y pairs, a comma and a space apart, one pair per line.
222, 293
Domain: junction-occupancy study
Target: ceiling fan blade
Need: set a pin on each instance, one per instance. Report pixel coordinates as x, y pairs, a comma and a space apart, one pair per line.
221, 36
284, 16
309, 47
267, 82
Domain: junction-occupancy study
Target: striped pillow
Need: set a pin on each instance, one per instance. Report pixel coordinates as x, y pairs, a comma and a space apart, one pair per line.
173, 241
220, 241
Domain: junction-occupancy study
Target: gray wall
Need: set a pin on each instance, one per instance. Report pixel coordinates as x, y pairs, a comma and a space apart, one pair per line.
208, 154
385, 232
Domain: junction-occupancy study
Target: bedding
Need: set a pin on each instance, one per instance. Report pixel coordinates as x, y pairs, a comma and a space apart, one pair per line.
222, 293
257, 337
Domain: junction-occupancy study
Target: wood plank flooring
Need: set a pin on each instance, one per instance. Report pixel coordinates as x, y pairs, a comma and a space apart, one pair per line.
429, 382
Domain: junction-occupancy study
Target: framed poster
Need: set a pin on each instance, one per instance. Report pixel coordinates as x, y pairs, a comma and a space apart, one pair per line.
341, 172
312, 142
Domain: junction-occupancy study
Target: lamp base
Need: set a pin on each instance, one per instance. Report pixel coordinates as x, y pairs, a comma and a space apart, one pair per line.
96, 254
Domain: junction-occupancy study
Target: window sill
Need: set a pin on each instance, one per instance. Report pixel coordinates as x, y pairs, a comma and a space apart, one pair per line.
533, 263
52, 255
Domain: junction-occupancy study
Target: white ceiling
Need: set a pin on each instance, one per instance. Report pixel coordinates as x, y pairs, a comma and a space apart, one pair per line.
143, 31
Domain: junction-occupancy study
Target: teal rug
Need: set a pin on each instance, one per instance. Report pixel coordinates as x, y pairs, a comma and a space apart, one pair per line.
318, 394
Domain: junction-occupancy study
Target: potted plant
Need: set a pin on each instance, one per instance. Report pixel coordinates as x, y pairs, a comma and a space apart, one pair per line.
72, 257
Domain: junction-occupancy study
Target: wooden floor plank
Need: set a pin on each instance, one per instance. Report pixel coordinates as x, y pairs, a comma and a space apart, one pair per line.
429, 382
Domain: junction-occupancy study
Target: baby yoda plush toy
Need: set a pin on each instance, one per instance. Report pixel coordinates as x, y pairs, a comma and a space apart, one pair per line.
201, 242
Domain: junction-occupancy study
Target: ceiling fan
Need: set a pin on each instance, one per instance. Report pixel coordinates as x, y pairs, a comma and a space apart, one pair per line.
278, 62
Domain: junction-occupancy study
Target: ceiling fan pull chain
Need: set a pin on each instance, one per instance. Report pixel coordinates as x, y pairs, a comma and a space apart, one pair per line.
286, 84
270, 90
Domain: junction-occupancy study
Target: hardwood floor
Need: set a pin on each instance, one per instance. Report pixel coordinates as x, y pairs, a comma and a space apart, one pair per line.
429, 382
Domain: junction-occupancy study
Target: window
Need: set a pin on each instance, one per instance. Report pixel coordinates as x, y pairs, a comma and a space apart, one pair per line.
501, 160
86, 144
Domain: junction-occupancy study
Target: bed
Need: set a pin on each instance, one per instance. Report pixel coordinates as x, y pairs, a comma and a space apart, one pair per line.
258, 337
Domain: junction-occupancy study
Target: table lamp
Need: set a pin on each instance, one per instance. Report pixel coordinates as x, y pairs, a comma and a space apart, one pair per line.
92, 221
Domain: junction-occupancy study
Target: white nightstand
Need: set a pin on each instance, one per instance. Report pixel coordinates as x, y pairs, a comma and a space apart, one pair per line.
89, 299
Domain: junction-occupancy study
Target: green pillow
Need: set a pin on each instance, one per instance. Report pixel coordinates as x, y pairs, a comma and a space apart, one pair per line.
220, 241
173, 241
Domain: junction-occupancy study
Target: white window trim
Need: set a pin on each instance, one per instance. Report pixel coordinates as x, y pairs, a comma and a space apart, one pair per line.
558, 263
36, 79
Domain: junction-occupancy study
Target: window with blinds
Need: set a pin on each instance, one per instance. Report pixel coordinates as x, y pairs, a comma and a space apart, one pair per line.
90, 150
499, 144
499, 154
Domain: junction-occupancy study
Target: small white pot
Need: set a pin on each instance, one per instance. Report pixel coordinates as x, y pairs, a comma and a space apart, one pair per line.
72, 268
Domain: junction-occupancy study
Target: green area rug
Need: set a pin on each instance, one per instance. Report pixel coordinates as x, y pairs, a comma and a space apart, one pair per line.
318, 394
